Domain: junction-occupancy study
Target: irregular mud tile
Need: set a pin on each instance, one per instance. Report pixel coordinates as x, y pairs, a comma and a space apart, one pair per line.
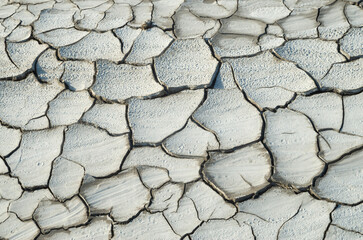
7, 26
238, 25
191, 141
185, 218
275, 29
166, 198
353, 114
25, 206
24, 16
67, 108
7, 10
36, 6
91, 147
344, 76
212, 9
65, 179
9, 139
145, 226
50, 19
3, 168
180, 169
325, 109
241, 172
298, 214
213, 31
10, 188
162, 12
115, 17
142, 13
150, 43
128, 36
122, 195
208, 203
343, 181
118, 82
266, 11
37, 124
94, 46
4, 205
354, 15
153, 177
188, 25
311, 220
23, 55
268, 41
21, 33
88, 19
65, 5
352, 41
346, 217
309, 4
82, 4
186, 63
234, 120
335, 232
111, 117
32, 161
223, 229
294, 147
61, 37
232, 45
12, 228
333, 23
313, 55
48, 68
335, 144
98, 228
153, 120
300, 24
7, 68
52, 214
225, 77
78, 75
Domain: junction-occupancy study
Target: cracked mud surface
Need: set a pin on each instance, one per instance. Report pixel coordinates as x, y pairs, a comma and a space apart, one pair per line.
181, 119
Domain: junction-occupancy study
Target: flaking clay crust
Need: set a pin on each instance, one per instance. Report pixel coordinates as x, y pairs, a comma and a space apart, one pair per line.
181, 119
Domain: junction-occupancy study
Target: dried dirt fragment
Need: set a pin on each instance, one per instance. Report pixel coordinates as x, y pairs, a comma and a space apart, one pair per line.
122, 195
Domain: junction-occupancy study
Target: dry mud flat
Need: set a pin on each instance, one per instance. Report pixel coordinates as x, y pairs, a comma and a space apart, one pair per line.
181, 119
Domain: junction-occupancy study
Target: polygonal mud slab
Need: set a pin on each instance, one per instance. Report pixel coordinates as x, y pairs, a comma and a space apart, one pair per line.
146, 226
186, 63
179, 169
111, 195
90, 147
315, 56
233, 119
32, 161
155, 119
117, 82
94, 46
22, 101
99, 228
241, 172
343, 180
51, 214
298, 215
293, 147
269, 81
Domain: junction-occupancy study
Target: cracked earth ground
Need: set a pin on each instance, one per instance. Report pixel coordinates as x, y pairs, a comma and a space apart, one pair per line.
181, 119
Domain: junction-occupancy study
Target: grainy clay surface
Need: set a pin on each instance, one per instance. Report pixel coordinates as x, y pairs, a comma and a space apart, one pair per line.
181, 119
